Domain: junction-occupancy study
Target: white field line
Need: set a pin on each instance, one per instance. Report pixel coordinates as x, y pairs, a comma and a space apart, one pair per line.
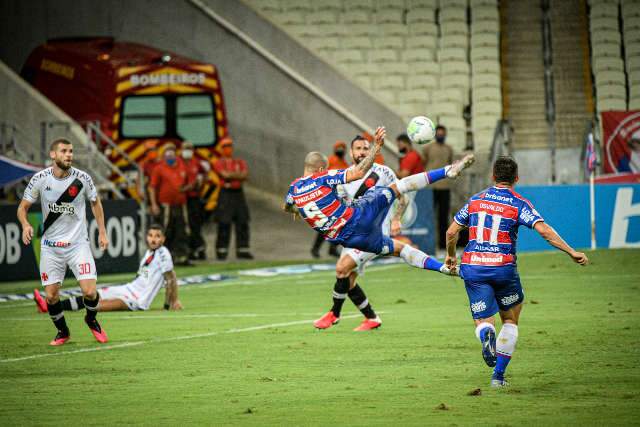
169, 339
176, 316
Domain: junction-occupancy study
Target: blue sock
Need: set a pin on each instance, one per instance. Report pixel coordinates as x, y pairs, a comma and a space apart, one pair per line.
432, 264
501, 366
483, 333
436, 175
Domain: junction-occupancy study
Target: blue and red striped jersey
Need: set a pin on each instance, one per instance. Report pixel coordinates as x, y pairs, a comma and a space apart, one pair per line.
317, 200
493, 217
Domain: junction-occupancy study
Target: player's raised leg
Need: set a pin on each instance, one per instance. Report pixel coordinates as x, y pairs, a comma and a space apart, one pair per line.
422, 180
506, 344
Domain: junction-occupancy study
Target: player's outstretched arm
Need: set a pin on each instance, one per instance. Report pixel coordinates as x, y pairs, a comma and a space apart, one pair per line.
554, 239
452, 240
27, 229
359, 171
98, 214
171, 301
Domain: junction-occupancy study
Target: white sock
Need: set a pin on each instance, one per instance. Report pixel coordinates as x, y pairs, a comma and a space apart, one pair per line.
483, 325
506, 343
413, 256
412, 183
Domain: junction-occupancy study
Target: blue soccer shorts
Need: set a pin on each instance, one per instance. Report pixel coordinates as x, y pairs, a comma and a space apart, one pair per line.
366, 233
487, 296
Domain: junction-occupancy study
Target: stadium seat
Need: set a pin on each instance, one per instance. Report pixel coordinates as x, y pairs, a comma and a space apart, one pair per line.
606, 63
479, 3
457, 139
634, 79
290, 18
614, 91
448, 95
485, 40
388, 82
452, 54
383, 55
419, 42
431, 4
631, 23
455, 67
329, 5
455, 41
485, 66
408, 110
452, 122
421, 16
424, 67
633, 65
270, 6
484, 53
359, 42
448, 108
348, 56
331, 29
356, 17
611, 36
485, 80
610, 104
390, 4
486, 94
303, 30
487, 108
453, 4
632, 50
483, 140
634, 104
322, 17
454, 29
395, 68
420, 30
391, 42
631, 36
364, 80
394, 29
453, 14
422, 82
480, 27
389, 16
324, 43
417, 55
455, 81
414, 96
386, 96
605, 23
610, 77
360, 30
604, 10
297, 5
603, 50
480, 121
366, 5
485, 13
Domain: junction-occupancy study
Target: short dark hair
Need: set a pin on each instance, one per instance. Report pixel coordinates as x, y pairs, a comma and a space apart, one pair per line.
505, 169
358, 138
441, 127
156, 226
54, 144
404, 138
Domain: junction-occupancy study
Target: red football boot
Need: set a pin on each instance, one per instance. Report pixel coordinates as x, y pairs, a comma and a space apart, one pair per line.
99, 333
369, 324
40, 302
60, 339
326, 321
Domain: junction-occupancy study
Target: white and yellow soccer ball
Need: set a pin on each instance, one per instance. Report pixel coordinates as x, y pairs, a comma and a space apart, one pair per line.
421, 130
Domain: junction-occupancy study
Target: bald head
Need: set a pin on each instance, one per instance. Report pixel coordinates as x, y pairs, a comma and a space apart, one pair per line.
314, 161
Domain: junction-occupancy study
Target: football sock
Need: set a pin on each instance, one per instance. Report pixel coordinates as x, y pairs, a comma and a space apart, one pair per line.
360, 300
91, 306
340, 290
482, 329
506, 345
421, 180
73, 304
417, 258
57, 317
437, 174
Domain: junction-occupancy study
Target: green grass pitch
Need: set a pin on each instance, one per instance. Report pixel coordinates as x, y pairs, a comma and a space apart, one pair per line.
245, 353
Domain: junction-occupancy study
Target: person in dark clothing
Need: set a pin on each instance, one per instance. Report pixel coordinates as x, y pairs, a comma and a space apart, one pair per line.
232, 205
195, 175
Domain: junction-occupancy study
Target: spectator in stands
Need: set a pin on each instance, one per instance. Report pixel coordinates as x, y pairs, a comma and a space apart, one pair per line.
167, 194
232, 206
436, 155
196, 171
410, 162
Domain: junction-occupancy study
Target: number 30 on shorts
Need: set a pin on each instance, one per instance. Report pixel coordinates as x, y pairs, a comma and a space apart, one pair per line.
84, 268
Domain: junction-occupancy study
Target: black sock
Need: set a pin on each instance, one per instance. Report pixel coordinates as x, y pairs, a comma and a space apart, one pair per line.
359, 299
91, 306
340, 290
73, 304
57, 317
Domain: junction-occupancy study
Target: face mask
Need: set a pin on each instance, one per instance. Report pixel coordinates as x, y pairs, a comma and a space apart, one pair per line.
339, 153
171, 162
403, 150
187, 154
440, 138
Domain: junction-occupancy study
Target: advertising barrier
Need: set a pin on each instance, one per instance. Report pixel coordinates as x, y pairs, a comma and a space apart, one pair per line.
418, 223
20, 262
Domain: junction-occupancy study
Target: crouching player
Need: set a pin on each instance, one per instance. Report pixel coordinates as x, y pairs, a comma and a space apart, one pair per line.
156, 268
488, 264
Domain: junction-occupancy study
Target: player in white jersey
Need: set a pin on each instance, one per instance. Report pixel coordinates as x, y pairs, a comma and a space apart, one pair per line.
352, 261
156, 269
63, 191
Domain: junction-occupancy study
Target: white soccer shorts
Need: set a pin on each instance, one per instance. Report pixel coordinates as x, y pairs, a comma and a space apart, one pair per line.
54, 262
122, 293
361, 258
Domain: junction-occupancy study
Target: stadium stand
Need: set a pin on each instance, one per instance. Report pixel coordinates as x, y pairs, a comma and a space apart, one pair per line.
415, 56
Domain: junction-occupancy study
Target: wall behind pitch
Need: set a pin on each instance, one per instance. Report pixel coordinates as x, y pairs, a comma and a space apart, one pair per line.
566, 209
273, 120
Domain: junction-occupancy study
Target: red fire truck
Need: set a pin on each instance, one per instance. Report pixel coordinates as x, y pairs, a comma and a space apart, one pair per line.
139, 95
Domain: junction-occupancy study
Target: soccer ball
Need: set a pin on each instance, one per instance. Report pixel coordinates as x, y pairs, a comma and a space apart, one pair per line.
421, 130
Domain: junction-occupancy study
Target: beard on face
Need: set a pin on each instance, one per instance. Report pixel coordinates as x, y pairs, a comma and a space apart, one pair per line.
357, 160
62, 165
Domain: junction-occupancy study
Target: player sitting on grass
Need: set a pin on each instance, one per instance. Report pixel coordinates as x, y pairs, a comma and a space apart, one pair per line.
359, 226
352, 261
488, 264
156, 268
